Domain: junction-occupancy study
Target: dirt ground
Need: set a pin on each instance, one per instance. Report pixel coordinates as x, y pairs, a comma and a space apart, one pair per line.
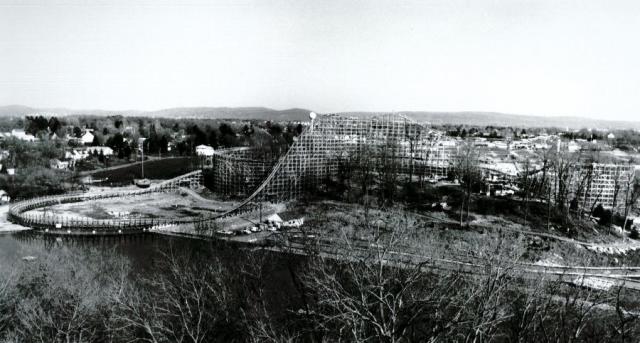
155, 205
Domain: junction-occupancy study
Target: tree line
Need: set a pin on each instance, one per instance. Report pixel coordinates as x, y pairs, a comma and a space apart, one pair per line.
162, 134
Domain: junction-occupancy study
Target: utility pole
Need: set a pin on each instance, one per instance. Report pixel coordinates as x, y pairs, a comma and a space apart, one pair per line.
141, 148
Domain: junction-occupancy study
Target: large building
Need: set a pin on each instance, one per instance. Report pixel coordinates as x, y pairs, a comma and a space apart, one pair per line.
606, 184
592, 184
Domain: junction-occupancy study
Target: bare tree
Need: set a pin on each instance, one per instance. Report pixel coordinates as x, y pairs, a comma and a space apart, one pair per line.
616, 186
526, 182
468, 172
388, 171
632, 195
369, 289
66, 301
191, 303
564, 164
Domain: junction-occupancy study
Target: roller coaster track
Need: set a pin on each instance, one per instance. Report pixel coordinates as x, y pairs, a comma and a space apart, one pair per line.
61, 225
318, 146
256, 193
18, 213
313, 154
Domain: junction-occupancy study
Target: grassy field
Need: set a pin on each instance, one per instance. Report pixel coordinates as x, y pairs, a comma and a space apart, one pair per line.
154, 169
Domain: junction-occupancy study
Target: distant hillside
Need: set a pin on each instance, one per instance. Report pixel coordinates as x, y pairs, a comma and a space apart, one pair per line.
293, 114
299, 114
15, 110
244, 113
502, 119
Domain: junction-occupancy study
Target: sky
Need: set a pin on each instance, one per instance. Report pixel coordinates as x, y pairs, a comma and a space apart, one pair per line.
575, 58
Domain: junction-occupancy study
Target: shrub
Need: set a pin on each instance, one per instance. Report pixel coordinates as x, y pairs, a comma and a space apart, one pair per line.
598, 211
606, 218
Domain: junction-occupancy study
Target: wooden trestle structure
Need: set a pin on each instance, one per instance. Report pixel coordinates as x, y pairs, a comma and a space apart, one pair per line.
315, 154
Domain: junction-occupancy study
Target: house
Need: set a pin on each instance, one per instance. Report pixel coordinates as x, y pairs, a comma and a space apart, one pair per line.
57, 164
274, 219
524, 144
572, 146
87, 138
286, 219
19, 134
83, 153
500, 145
100, 150
4, 197
65, 137
74, 155
204, 150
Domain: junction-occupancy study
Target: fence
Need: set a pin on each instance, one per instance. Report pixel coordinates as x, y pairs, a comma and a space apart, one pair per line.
19, 212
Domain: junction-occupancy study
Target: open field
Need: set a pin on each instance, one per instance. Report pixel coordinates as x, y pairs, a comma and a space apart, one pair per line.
153, 169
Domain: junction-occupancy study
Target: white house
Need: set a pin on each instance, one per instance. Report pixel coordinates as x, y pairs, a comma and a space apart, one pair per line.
57, 164
204, 150
19, 134
87, 138
500, 145
82, 153
572, 146
74, 155
105, 150
4, 197
286, 219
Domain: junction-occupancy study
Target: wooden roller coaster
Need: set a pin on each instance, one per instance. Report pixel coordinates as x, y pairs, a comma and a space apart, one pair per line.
314, 155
